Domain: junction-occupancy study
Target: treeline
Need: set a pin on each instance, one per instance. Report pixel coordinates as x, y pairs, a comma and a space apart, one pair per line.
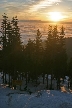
32, 60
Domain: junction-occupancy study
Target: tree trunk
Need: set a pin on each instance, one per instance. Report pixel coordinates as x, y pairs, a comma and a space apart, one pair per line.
3, 76
58, 83
22, 76
36, 78
20, 79
51, 83
47, 81
9, 78
43, 78
26, 78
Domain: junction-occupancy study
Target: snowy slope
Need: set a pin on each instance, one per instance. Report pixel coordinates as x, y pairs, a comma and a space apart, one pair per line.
42, 99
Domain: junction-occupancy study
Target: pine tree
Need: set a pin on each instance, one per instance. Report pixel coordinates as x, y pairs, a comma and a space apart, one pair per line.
49, 53
4, 30
63, 53
16, 34
4, 44
55, 54
29, 58
16, 48
38, 54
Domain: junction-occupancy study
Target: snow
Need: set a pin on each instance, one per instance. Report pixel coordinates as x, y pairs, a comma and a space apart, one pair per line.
10, 98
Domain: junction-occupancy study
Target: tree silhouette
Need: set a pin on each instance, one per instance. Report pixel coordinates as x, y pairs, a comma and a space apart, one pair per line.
38, 54
55, 53
16, 48
11, 47
29, 59
32, 60
4, 44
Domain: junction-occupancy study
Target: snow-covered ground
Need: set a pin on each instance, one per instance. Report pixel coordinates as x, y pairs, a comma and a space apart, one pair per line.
10, 98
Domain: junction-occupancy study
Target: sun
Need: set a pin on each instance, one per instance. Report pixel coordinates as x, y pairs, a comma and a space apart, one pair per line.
55, 16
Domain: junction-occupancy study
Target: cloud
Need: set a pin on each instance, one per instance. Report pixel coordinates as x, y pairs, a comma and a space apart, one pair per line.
28, 9
14, 8
43, 4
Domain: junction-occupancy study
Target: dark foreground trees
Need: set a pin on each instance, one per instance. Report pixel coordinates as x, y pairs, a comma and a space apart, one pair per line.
11, 47
32, 60
55, 53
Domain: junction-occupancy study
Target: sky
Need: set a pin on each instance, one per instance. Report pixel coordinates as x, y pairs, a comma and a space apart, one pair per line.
36, 9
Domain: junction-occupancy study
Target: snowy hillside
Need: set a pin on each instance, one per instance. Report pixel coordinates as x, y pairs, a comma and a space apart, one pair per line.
10, 98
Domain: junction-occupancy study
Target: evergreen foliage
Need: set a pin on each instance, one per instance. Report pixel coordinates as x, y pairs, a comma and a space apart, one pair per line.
32, 60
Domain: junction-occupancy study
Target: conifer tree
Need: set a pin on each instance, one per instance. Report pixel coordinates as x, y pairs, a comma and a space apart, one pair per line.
38, 53
4, 30
49, 53
11, 44
63, 53
4, 43
16, 48
55, 52
29, 58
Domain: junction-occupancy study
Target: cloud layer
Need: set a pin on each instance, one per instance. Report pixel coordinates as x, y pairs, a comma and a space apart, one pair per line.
28, 9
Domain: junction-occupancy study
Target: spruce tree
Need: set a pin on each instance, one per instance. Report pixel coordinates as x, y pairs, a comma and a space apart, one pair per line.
29, 58
55, 53
4, 44
16, 48
49, 53
38, 54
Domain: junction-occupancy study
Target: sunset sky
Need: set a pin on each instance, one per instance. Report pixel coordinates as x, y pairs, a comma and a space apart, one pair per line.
37, 9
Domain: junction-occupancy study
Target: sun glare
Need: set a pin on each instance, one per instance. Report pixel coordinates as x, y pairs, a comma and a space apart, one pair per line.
55, 16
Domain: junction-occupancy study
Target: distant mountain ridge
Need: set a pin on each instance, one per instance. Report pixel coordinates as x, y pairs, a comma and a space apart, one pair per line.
44, 21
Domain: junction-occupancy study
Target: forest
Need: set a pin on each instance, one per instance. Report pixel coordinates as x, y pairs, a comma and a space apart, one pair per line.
33, 59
